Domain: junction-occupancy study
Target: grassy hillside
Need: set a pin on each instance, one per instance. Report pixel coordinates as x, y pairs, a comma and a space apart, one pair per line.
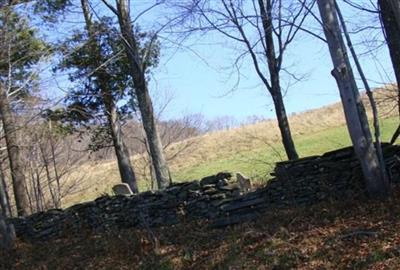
259, 161
251, 149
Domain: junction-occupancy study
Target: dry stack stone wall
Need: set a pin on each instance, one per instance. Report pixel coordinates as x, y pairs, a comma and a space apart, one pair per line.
175, 204
333, 175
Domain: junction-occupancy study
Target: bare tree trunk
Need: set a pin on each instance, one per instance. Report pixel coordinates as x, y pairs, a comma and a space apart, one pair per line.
121, 151
34, 174
48, 176
40, 197
54, 163
17, 174
275, 87
395, 5
4, 203
7, 233
390, 17
30, 200
392, 34
142, 95
356, 118
150, 165
284, 127
34, 188
8, 211
370, 95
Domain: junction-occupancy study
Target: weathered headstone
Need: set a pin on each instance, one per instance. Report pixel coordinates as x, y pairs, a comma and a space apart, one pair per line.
244, 182
122, 189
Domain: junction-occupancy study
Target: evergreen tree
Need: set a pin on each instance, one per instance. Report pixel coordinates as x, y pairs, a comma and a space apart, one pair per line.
101, 73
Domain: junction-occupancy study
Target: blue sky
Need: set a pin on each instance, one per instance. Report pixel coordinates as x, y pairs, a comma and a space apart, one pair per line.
206, 88
199, 77
201, 83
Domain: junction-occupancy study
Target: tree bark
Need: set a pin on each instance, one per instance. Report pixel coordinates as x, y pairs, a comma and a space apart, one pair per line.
275, 87
7, 233
17, 174
4, 202
284, 127
391, 24
356, 118
54, 163
142, 95
121, 151
48, 176
8, 212
370, 94
390, 17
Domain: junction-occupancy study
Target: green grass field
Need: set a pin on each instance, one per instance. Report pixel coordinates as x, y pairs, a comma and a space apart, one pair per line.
258, 163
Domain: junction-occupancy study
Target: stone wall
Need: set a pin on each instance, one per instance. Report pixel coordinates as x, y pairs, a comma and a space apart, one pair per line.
334, 175
178, 202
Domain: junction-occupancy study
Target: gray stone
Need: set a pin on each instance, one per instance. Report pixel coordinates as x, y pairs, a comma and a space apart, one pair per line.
122, 189
244, 182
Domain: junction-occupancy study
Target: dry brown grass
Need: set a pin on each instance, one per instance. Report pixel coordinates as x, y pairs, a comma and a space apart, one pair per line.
211, 147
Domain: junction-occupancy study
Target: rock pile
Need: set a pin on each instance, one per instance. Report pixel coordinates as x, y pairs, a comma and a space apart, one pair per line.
334, 175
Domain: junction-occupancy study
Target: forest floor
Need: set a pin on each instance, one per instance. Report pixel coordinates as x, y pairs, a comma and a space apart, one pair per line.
335, 235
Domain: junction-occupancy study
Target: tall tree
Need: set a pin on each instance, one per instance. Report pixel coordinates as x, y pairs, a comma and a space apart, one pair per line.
20, 51
7, 231
390, 16
13, 149
102, 74
370, 94
356, 117
274, 65
4, 199
265, 29
390, 12
139, 64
